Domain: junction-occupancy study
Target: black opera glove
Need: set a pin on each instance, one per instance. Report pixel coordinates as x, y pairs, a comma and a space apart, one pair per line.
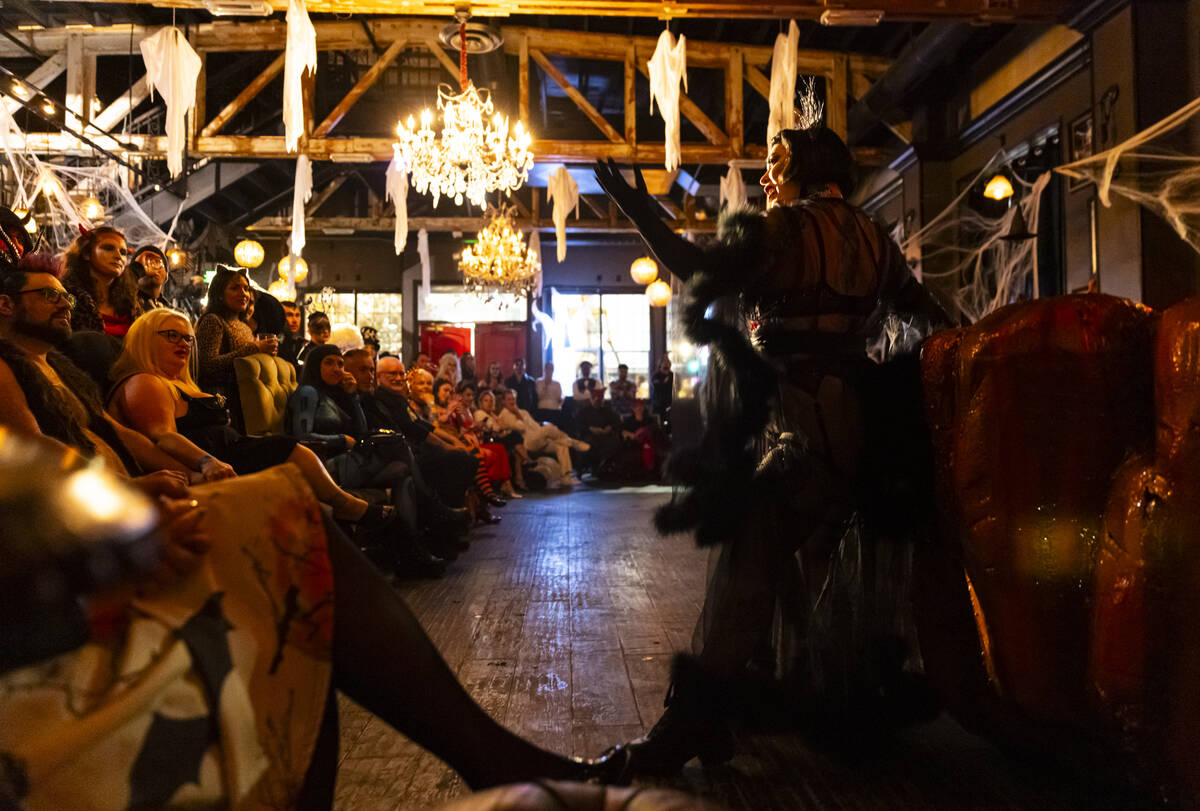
679, 256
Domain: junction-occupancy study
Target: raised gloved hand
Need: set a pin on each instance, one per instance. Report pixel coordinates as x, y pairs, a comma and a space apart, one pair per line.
679, 256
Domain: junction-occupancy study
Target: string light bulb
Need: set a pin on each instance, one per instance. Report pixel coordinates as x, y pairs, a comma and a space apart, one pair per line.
301, 268
249, 253
644, 270
659, 293
91, 209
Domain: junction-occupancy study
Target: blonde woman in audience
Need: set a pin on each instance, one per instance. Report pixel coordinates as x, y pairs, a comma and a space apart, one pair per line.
489, 429
448, 367
155, 395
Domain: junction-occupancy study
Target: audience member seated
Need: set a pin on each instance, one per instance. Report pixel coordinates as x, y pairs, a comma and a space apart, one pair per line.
293, 335
441, 526
466, 366
488, 429
209, 680
265, 316
423, 361
325, 410
222, 334
450, 472
642, 429
447, 368
44, 393
154, 394
585, 384
493, 381
542, 438
622, 392
599, 426
524, 385
149, 269
319, 332
453, 419
105, 296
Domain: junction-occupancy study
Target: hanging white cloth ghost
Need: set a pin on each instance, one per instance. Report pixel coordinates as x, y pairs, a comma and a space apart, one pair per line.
396, 189
535, 249
733, 189
564, 191
423, 252
783, 82
667, 68
300, 195
300, 54
173, 66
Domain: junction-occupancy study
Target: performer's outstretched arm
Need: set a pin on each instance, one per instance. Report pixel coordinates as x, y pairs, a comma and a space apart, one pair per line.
675, 253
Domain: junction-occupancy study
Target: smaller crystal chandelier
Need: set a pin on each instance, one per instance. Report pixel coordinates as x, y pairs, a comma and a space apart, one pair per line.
474, 153
501, 261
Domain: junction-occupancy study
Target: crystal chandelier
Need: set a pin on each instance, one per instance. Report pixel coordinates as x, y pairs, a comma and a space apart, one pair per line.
501, 261
473, 154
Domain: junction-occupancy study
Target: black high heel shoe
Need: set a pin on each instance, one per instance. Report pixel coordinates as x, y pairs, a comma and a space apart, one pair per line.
693, 725
495, 500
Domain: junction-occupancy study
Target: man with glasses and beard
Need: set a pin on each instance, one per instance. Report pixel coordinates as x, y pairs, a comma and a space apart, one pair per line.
41, 391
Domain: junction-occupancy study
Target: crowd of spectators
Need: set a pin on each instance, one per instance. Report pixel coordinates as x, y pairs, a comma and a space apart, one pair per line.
230, 629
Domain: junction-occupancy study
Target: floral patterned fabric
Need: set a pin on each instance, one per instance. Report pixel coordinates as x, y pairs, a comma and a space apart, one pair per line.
211, 692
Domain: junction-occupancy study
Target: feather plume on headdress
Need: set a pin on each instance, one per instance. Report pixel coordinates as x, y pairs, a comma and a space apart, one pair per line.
809, 110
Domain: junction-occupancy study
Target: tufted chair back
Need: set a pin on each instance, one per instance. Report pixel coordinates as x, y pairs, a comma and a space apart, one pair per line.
264, 384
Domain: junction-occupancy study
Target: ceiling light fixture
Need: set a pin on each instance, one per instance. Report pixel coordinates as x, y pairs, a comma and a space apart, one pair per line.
659, 293
249, 253
500, 261
998, 188
474, 153
644, 270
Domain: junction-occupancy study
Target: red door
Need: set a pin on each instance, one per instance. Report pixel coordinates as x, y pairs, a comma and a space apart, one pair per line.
498, 342
437, 338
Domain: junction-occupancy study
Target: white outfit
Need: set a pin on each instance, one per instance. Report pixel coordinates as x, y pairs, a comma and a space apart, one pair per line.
541, 438
488, 422
549, 394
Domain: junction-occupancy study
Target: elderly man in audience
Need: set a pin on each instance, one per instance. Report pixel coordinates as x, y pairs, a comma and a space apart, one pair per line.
448, 471
541, 438
442, 525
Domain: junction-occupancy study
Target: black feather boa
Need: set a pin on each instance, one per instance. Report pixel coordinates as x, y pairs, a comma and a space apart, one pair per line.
718, 474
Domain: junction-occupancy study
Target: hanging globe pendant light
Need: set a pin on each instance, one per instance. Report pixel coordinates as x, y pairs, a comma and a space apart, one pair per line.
249, 253
644, 270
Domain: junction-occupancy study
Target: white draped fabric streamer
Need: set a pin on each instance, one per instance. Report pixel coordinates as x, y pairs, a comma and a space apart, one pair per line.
535, 248
300, 195
300, 55
564, 191
733, 189
396, 189
423, 252
173, 66
667, 68
783, 82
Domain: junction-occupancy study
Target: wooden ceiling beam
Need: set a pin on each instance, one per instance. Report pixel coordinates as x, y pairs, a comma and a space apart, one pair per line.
982, 11
693, 113
464, 224
243, 98
361, 86
574, 95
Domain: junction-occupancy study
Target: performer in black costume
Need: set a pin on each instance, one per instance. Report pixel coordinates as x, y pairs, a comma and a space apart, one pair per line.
802, 300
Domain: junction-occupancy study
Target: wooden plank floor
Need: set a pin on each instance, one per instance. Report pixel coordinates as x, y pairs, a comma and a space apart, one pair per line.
561, 622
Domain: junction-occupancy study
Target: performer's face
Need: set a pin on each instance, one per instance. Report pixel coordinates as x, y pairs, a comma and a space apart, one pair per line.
778, 189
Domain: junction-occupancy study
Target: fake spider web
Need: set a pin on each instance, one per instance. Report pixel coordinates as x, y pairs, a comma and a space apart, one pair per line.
1153, 170
64, 198
964, 255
